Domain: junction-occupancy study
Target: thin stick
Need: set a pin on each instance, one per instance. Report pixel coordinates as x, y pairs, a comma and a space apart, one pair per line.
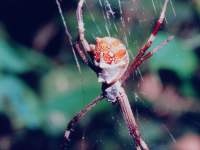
81, 114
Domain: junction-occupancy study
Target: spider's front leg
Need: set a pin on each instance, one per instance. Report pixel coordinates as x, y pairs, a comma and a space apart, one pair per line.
80, 115
142, 53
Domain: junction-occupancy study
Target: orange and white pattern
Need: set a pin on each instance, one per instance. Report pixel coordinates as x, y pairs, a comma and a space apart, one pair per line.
111, 56
109, 50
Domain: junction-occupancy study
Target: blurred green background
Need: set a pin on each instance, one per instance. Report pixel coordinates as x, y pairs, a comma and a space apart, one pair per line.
41, 88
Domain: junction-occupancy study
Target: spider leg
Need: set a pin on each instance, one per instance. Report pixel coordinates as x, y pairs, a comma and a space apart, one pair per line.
134, 64
82, 54
80, 115
88, 48
81, 29
130, 120
149, 54
84, 58
155, 31
161, 45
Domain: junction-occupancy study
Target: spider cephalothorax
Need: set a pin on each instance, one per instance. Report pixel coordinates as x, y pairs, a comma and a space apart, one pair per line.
111, 56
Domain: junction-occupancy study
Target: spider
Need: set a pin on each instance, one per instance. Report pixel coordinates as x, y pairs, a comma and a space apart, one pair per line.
110, 61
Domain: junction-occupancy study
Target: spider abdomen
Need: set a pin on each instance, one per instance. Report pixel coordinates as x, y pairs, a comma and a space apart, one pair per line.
111, 56
109, 50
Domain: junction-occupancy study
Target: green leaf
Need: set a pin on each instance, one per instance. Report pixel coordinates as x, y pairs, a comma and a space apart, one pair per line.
151, 130
19, 102
68, 91
174, 56
18, 59
9, 59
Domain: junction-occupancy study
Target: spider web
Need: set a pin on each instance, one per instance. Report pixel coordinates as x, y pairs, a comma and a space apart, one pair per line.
111, 10
69, 36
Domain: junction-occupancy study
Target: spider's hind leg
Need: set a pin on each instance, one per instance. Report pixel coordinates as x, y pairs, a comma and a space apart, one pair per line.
80, 115
84, 57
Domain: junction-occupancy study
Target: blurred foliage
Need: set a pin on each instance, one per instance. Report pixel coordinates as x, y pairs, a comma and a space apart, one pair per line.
41, 88
175, 56
12, 54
